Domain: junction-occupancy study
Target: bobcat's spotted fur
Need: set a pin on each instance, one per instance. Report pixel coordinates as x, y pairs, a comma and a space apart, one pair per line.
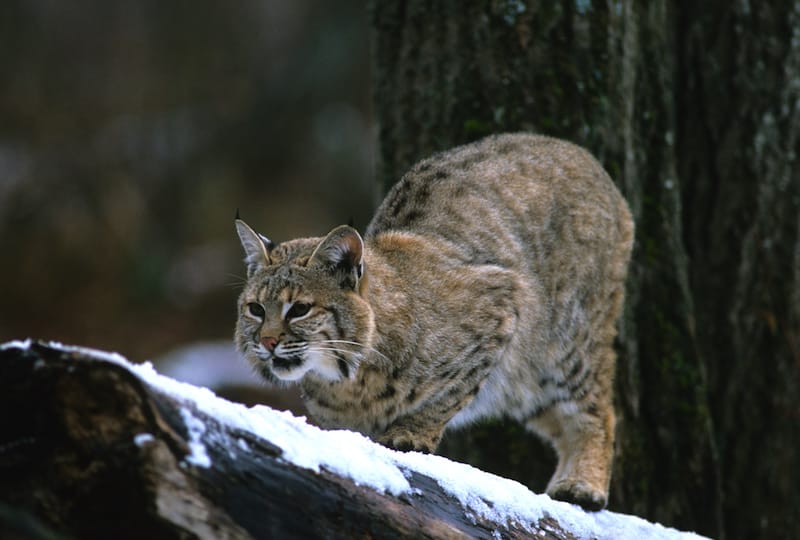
488, 284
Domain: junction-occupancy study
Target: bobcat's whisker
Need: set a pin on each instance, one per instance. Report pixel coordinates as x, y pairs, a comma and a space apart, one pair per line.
337, 349
240, 281
357, 344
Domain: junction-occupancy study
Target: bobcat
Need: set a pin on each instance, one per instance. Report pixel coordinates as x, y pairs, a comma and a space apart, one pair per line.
487, 284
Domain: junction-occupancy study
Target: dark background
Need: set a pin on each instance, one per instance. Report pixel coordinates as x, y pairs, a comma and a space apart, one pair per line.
130, 132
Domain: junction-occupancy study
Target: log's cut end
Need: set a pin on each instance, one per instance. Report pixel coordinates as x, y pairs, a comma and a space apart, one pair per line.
92, 446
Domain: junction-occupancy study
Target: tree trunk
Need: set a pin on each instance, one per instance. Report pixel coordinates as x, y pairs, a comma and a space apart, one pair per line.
694, 109
88, 449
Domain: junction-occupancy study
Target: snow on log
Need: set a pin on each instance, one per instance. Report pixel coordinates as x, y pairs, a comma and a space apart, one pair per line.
92, 446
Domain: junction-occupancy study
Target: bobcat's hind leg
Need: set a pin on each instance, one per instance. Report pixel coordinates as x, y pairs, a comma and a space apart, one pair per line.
584, 441
580, 423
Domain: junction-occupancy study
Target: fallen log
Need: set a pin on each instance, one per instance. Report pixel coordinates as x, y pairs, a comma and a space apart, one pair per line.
94, 447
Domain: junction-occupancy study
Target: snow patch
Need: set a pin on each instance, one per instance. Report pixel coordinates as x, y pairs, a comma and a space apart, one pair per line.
243, 444
487, 495
354, 456
95, 353
141, 439
16, 344
197, 450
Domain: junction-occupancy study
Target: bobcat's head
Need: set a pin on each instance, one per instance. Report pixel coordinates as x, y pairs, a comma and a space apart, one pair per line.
303, 311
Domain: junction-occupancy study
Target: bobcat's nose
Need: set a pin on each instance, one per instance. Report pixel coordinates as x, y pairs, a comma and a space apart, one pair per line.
269, 342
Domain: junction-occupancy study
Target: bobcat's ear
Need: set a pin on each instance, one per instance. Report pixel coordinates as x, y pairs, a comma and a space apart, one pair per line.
256, 247
342, 252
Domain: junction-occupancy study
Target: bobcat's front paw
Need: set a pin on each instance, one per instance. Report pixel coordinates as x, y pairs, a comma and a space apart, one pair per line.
578, 492
405, 441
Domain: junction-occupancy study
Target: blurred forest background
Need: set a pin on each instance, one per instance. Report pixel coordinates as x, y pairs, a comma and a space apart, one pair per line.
131, 132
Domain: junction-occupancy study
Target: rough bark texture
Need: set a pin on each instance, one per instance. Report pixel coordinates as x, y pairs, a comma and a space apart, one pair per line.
694, 109
71, 467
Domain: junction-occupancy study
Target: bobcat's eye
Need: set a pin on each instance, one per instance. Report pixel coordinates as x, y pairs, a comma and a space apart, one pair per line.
256, 310
298, 309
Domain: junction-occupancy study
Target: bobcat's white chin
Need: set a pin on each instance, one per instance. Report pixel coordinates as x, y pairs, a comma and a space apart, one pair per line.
323, 366
289, 370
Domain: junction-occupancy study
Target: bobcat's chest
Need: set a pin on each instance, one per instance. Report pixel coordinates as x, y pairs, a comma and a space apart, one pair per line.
367, 404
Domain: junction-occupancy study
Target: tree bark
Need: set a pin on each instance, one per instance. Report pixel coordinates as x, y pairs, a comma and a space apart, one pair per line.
90, 450
694, 109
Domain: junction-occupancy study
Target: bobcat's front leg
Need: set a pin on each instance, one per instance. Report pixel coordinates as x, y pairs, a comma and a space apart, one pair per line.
422, 428
453, 384
409, 433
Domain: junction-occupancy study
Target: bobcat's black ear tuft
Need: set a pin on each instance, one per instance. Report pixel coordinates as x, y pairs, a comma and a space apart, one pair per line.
237, 214
342, 252
256, 247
